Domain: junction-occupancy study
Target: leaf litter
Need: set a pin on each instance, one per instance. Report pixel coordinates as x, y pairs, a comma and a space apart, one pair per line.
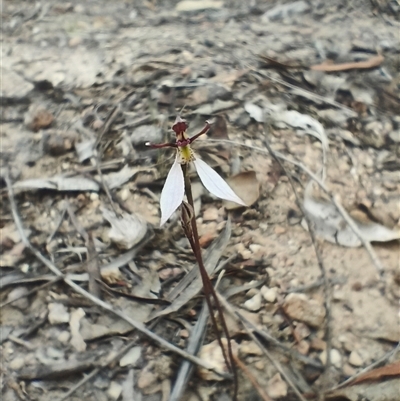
152, 67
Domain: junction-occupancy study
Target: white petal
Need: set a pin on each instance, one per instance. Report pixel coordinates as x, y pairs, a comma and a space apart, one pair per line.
172, 193
215, 183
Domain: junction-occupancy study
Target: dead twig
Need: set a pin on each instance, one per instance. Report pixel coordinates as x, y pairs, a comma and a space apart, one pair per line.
135, 324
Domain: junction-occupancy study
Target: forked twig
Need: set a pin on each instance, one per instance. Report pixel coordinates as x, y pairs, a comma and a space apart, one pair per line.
135, 324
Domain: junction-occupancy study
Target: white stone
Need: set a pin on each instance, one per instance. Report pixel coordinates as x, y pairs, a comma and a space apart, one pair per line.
114, 391
355, 359
269, 294
254, 303
58, 313
64, 337
17, 363
131, 357
336, 358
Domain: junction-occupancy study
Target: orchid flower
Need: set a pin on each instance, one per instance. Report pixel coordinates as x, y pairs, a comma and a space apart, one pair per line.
174, 188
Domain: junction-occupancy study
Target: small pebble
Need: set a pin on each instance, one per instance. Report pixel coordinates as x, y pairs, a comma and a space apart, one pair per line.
17, 293
250, 348
58, 313
210, 214
348, 370
114, 391
17, 363
355, 359
336, 358
131, 357
253, 304
64, 337
269, 294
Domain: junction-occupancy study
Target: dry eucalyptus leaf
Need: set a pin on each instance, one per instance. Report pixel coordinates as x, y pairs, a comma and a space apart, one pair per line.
215, 107
115, 180
127, 230
255, 112
384, 390
59, 183
212, 353
85, 149
330, 225
246, 186
372, 62
302, 122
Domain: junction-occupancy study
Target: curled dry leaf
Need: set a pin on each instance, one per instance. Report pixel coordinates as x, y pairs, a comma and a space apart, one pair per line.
330, 225
302, 122
246, 186
127, 230
370, 63
212, 353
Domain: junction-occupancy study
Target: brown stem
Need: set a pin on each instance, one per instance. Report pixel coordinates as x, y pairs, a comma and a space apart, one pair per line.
208, 287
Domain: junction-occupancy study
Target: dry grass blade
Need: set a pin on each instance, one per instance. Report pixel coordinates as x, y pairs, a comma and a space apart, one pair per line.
93, 268
192, 284
135, 324
195, 341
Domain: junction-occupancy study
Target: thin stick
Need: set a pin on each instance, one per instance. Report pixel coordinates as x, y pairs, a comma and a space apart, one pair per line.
135, 324
367, 245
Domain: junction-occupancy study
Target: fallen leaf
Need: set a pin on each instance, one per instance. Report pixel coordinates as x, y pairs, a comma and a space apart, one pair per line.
255, 112
302, 122
59, 183
370, 63
127, 230
246, 186
115, 180
215, 107
391, 370
330, 225
212, 353
387, 390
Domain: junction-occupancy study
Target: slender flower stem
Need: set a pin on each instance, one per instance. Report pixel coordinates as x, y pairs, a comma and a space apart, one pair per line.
209, 291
